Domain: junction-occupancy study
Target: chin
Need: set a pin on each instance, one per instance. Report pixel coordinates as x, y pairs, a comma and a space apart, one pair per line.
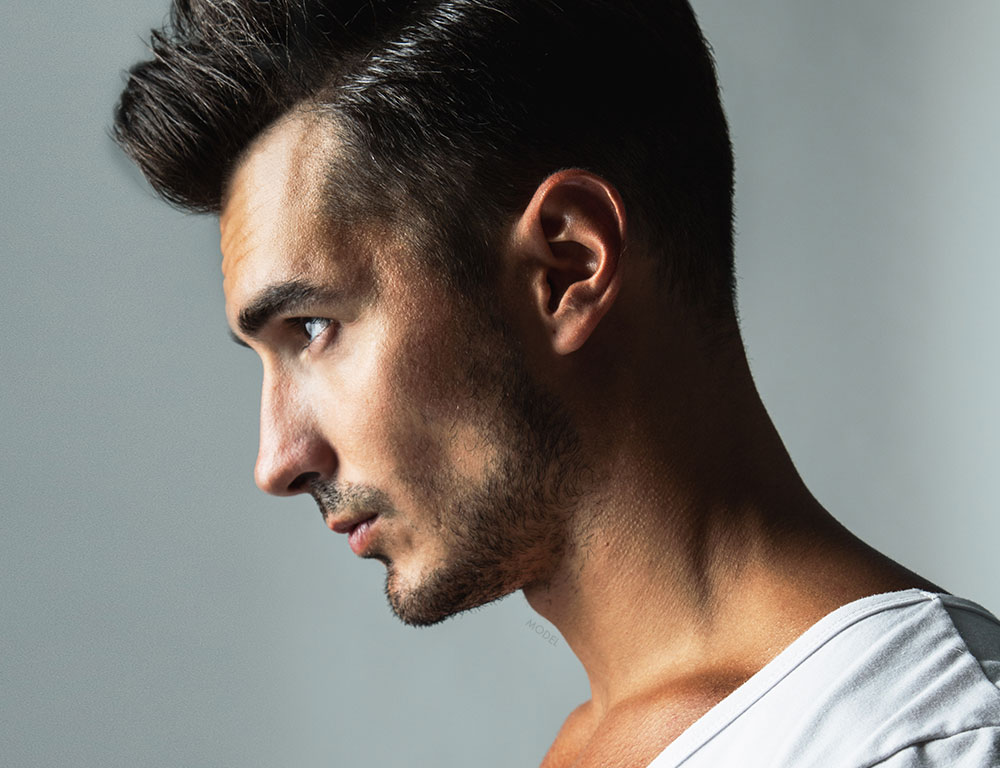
439, 595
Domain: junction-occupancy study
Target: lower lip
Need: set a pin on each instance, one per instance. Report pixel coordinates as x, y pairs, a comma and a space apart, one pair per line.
360, 535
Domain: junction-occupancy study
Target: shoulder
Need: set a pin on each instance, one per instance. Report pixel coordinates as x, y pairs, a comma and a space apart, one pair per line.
976, 748
910, 678
921, 670
979, 633
576, 731
637, 729
899, 680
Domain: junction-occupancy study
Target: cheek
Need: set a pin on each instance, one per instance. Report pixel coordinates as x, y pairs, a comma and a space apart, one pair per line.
351, 404
382, 406
447, 433
421, 410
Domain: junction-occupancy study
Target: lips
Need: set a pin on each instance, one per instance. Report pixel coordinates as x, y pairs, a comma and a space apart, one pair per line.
347, 525
360, 535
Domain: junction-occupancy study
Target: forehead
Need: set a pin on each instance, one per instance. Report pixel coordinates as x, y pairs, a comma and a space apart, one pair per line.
273, 225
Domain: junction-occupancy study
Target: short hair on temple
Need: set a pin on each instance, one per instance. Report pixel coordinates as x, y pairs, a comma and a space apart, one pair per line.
453, 111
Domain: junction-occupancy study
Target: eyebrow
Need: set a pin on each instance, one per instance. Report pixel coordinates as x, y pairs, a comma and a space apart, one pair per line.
277, 299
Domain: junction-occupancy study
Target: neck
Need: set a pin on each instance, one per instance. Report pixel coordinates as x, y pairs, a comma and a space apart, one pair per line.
702, 554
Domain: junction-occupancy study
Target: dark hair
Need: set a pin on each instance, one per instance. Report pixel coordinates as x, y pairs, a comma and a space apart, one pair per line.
455, 110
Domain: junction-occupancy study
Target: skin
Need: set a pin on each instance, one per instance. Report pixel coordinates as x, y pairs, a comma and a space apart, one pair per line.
404, 404
582, 443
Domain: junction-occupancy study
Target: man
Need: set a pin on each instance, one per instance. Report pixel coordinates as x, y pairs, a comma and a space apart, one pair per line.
484, 250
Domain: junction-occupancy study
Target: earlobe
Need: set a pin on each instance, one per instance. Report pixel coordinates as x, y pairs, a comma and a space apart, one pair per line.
574, 231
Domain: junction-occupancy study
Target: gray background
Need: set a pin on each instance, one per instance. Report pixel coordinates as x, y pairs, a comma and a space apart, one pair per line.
157, 610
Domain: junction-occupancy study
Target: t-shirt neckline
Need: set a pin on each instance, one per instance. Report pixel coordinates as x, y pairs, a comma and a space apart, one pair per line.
713, 722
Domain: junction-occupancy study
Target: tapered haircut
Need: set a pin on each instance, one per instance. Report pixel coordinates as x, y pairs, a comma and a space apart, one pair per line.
450, 114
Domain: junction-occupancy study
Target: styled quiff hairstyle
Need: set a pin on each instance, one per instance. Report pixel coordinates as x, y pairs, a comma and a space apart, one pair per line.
452, 112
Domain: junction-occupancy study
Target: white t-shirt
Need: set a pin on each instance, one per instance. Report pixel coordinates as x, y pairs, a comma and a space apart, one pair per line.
901, 680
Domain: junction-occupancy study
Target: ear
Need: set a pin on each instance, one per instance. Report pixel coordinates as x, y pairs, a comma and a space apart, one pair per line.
572, 236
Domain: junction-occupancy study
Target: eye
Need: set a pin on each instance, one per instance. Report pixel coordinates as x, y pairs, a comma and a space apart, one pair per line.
314, 326
311, 327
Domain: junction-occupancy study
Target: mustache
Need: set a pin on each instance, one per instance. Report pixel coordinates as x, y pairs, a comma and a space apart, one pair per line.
336, 500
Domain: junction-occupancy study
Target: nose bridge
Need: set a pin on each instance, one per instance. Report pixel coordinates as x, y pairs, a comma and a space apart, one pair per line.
291, 447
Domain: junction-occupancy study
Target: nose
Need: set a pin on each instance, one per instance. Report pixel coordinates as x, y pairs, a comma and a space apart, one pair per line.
293, 453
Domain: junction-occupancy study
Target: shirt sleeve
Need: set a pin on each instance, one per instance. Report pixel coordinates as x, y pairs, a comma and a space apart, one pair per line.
977, 748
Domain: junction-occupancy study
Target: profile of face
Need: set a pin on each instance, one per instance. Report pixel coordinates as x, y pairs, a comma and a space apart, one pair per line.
385, 395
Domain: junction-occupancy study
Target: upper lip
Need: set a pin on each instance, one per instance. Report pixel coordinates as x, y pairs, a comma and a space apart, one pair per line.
346, 524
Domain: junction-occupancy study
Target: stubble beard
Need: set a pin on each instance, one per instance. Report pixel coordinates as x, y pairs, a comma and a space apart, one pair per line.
507, 530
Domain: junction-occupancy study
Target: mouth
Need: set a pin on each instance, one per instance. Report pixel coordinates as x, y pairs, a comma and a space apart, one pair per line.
359, 534
358, 529
346, 525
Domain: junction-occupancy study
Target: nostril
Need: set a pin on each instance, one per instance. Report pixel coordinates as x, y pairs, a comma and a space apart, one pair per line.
303, 480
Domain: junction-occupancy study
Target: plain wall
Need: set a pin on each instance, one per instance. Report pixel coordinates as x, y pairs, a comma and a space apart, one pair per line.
157, 610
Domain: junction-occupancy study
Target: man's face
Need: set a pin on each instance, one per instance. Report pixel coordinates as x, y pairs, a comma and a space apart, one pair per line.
383, 395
